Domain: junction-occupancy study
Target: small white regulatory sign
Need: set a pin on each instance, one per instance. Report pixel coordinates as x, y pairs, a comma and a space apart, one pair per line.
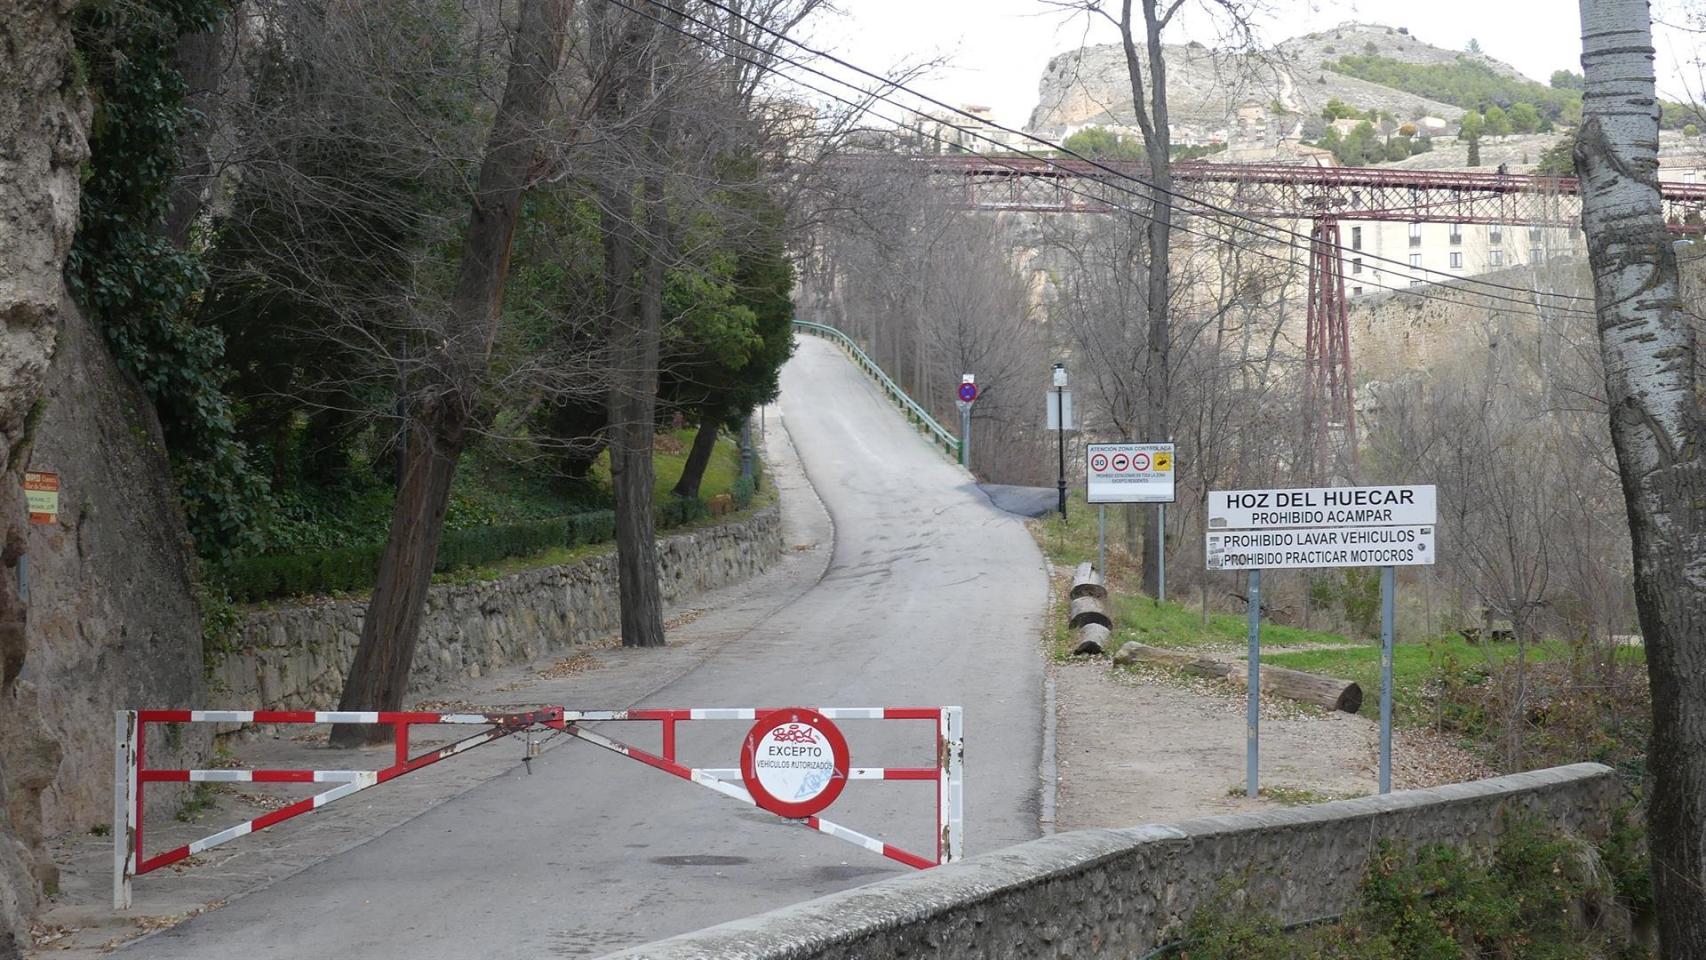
1406, 546
1322, 507
1130, 472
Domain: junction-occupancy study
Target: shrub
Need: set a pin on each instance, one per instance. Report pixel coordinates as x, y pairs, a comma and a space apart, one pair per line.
1542, 894
251, 579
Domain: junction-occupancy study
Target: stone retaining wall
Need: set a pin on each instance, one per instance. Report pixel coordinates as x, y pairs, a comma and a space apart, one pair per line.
1116, 893
295, 656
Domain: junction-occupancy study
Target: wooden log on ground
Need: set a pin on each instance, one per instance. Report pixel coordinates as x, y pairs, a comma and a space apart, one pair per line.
1092, 639
1330, 692
1089, 610
1086, 582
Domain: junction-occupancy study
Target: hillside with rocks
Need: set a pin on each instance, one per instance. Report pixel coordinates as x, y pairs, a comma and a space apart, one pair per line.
1089, 85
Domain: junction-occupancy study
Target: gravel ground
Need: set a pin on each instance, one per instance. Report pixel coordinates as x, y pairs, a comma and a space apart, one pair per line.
1149, 745
1145, 746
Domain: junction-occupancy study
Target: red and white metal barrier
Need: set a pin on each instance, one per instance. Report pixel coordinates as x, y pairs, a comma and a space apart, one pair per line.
794, 763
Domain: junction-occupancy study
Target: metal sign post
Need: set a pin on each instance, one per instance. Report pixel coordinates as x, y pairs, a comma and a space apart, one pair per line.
1134, 473
963, 399
1380, 526
1161, 554
1388, 577
1102, 540
1253, 699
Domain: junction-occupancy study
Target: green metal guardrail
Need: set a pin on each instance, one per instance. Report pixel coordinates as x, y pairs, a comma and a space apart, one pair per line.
917, 414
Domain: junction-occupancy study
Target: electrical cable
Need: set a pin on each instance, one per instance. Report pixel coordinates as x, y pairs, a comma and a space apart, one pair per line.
1299, 237
1527, 303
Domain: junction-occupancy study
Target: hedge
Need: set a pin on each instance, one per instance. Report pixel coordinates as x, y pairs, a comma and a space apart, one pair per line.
249, 579
346, 569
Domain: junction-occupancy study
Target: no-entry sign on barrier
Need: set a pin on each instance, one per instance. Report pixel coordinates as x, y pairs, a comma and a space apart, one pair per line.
794, 762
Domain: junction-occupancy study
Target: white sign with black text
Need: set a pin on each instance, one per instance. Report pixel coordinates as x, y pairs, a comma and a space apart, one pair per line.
1130, 473
1322, 507
1302, 548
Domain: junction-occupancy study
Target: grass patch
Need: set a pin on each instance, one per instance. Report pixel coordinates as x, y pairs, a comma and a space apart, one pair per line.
1292, 796
201, 798
1139, 617
1418, 667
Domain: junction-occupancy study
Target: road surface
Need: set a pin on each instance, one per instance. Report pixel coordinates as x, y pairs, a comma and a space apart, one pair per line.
931, 596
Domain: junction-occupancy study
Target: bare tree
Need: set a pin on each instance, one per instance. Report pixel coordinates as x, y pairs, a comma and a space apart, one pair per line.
1141, 33
1652, 385
442, 402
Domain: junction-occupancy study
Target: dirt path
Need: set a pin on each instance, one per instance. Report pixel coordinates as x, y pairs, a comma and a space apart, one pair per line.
1138, 747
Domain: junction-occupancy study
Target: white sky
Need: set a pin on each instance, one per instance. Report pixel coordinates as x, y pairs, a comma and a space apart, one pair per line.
996, 49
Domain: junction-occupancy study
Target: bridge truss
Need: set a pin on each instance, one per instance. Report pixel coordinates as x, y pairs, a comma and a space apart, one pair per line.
1277, 192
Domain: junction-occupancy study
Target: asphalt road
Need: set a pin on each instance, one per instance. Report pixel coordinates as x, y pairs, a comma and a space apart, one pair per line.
931, 596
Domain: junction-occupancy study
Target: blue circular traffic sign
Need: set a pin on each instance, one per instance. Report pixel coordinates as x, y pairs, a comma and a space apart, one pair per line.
968, 392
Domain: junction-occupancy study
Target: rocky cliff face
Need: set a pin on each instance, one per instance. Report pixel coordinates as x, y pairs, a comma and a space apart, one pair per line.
43, 142
113, 621
1206, 87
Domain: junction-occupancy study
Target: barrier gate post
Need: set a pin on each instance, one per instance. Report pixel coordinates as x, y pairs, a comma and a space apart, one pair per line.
131, 772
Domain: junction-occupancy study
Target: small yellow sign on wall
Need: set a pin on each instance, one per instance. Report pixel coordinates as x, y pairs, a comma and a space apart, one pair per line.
41, 493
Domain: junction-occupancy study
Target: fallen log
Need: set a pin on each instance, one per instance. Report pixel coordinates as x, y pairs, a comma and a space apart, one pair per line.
1089, 610
1086, 582
1092, 639
1330, 692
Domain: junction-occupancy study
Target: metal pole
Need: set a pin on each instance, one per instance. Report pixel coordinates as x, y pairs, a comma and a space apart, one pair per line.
1253, 702
965, 435
1060, 410
1102, 542
1161, 554
746, 447
1387, 589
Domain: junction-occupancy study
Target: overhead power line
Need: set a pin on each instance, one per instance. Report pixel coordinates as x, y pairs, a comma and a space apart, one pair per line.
1301, 242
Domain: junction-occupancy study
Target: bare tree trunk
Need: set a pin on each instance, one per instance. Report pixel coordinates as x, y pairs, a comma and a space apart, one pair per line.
1649, 353
637, 322
1152, 118
442, 407
698, 458
201, 58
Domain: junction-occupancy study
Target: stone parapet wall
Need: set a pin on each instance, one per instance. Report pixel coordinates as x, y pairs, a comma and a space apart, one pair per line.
296, 656
1119, 893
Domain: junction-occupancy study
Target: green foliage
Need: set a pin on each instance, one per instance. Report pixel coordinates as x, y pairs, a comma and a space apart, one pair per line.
1100, 143
1690, 130
1535, 898
1523, 118
354, 568
1497, 124
139, 288
1337, 109
1196, 151
1474, 85
1558, 160
219, 623
1473, 127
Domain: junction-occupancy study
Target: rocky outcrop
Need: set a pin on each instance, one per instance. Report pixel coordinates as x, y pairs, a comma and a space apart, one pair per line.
44, 120
1206, 86
113, 620
296, 656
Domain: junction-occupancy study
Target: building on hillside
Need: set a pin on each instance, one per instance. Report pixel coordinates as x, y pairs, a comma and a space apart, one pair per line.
948, 132
1381, 256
